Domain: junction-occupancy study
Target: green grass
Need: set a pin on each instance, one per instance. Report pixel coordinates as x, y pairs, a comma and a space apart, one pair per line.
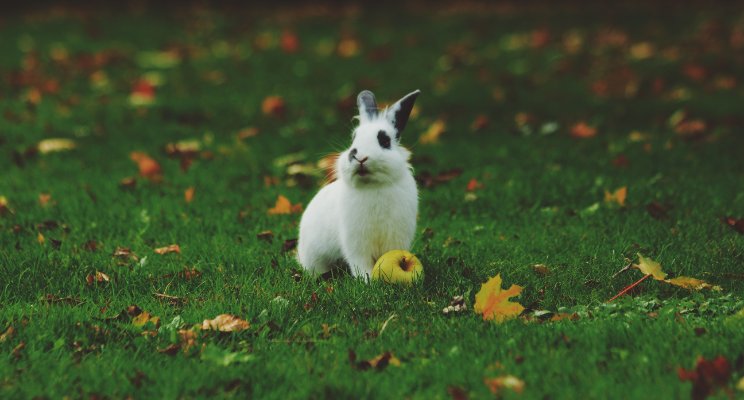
541, 201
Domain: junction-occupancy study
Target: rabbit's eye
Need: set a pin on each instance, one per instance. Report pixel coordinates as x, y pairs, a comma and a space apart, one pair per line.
383, 139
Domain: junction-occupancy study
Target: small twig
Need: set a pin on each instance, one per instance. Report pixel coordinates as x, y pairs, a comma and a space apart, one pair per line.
384, 325
627, 289
166, 296
625, 268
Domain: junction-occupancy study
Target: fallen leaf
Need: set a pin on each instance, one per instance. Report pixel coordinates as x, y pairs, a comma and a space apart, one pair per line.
9, 332
123, 253
736, 224
692, 283
143, 93
457, 393
98, 277
188, 194
650, 267
44, 199
425, 179
480, 123
171, 350
128, 183
4, 207
225, 323
498, 384
265, 235
348, 47
493, 302
474, 185
432, 134
289, 245
143, 318
289, 42
541, 269
617, 197
583, 131
708, 376
380, 362
248, 132
740, 385
273, 106
284, 206
657, 210
40, 238
174, 248
54, 145
148, 167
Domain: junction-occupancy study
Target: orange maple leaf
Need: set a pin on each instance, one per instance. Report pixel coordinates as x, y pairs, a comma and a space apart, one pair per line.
493, 302
284, 206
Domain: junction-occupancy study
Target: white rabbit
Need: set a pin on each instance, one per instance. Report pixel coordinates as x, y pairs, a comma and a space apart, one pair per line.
371, 207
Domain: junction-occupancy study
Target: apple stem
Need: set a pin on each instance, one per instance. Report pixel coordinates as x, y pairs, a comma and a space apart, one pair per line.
627, 289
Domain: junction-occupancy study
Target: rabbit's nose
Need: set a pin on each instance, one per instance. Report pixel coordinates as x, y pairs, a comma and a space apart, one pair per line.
363, 160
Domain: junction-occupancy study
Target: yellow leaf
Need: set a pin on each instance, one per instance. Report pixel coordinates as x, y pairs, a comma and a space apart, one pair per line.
434, 132
284, 206
740, 385
225, 323
51, 145
143, 318
493, 302
497, 384
650, 267
618, 196
389, 357
40, 238
692, 283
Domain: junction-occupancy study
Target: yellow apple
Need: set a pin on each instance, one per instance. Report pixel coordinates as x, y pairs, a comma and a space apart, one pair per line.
398, 266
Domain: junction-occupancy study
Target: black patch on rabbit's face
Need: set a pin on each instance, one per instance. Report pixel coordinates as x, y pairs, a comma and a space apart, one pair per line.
383, 139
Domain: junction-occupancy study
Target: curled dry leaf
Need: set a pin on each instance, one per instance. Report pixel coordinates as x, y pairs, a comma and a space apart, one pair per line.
7, 334
174, 248
225, 323
148, 167
498, 384
284, 206
98, 277
143, 318
692, 283
493, 302
124, 254
736, 224
54, 145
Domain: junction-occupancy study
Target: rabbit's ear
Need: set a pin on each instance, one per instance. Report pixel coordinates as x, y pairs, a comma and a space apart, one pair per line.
367, 105
399, 112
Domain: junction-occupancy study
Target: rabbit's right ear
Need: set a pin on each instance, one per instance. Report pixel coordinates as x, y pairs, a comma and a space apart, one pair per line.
367, 105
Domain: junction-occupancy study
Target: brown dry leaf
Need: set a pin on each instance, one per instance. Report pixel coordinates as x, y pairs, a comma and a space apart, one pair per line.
248, 132
148, 167
436, 129
380, 362
692, 283
174, 248
273, 106
98, 277
125, 254
493, 302
541, 269
188, 194
618, 196
650, 267
225, 323
480, 123
265, 235
583, 131
54, 145
498, 384
284, 206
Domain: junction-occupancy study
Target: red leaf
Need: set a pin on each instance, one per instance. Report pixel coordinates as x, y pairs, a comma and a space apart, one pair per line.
707, 377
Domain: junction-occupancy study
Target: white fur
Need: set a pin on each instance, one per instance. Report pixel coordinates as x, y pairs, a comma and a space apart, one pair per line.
356, 219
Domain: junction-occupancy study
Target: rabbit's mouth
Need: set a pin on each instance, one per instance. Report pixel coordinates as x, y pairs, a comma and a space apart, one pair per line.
362, 171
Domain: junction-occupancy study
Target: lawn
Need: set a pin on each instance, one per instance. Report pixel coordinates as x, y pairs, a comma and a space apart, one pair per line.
552, 146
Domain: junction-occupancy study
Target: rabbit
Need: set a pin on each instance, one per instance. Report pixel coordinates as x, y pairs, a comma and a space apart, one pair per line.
371, 207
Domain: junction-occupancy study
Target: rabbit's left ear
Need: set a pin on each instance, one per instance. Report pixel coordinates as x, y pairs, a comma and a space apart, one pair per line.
399, 112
